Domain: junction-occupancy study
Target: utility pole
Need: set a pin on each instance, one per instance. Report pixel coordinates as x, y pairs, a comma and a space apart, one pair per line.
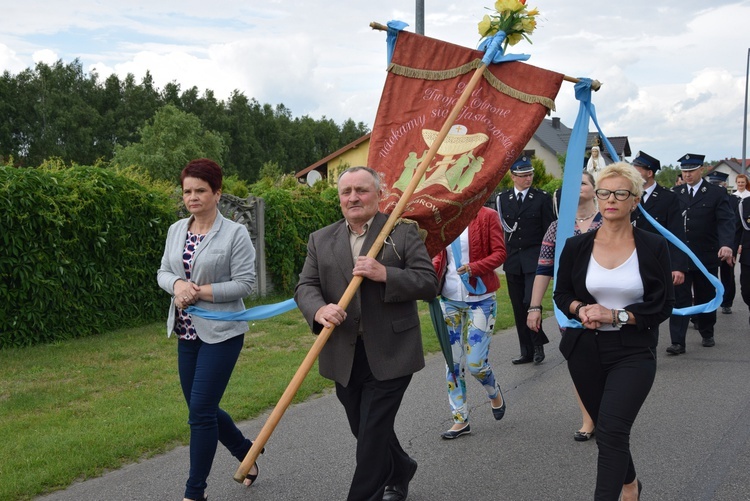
419, 28
744, 126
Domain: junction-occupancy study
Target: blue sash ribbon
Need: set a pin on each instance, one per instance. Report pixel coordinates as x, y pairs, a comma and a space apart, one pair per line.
456, 249
255, 313
493, 50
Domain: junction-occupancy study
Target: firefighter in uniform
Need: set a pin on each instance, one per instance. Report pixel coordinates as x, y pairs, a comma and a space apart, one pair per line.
525, 213
710, 234
661, 204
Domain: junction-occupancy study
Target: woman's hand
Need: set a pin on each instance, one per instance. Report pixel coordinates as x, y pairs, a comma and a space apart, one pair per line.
185, 293
534, 320
594, 316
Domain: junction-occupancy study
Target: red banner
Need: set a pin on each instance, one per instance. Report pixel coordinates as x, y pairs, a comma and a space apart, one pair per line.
426, 78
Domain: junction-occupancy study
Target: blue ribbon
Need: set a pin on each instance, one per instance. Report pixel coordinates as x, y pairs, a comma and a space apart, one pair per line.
456, 248
493, 51
255, 313
394, 27
698, 308
571, 186
569, 201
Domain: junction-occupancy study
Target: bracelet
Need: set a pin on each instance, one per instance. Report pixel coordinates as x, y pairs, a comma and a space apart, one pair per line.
578, 308
534, 308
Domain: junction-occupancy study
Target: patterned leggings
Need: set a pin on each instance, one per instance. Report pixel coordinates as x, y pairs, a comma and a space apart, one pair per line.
470, 326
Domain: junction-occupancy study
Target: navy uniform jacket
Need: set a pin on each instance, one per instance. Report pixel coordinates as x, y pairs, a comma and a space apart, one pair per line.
663, 206
530, 221
709, 222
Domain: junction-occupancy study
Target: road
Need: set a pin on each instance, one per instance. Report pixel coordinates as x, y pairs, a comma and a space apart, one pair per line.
691, 440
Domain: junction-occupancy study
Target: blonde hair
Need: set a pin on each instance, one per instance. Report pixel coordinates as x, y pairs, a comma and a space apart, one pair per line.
623, 169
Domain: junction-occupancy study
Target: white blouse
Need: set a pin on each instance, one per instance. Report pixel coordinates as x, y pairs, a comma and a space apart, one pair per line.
617, 287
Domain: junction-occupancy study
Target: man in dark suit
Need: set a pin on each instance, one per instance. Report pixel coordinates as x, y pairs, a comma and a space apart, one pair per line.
710, 233
377, 343
525, 213
662, 205
726, 270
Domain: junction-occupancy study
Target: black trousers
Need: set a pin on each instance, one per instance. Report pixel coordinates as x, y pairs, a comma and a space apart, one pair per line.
745, 282
613, 381
726, 275
695, 289
371, 407
519, 292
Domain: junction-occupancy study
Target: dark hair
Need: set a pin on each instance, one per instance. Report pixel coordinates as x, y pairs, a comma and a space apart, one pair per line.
205, 169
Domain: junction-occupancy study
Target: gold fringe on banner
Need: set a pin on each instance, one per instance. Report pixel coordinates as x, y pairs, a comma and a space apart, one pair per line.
495, 82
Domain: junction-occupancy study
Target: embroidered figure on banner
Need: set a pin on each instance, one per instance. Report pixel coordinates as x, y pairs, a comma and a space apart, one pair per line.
454, 166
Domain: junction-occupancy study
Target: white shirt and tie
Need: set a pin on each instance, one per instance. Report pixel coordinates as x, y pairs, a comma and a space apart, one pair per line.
692, 190
521, 195
647, 193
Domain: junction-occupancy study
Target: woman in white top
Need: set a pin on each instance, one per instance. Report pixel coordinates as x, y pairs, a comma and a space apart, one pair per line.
617, 281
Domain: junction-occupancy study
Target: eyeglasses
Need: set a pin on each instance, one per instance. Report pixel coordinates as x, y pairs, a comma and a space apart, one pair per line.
620, 195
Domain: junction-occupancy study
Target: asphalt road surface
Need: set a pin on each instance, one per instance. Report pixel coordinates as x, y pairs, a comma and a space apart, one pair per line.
691, 440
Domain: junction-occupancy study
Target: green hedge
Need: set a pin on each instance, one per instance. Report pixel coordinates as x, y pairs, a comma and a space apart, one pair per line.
293, 211
81, 247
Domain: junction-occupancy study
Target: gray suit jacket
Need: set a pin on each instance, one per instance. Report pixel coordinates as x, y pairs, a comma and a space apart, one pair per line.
387, 312
226, 260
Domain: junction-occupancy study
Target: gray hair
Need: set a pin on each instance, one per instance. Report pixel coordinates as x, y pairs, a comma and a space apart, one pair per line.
372, 172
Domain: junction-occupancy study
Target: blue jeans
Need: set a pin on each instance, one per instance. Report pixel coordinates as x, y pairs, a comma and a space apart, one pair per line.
205, 370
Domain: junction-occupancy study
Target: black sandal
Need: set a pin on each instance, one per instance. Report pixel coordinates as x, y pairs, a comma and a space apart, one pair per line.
252, 476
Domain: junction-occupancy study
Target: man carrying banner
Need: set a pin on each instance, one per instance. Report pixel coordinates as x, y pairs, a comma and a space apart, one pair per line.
377, 344
526, 213
709, 232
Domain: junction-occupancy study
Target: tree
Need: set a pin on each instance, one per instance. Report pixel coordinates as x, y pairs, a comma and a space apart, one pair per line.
168, 142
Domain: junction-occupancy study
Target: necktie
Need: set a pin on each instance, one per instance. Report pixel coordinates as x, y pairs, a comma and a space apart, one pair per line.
520, 198
691, 192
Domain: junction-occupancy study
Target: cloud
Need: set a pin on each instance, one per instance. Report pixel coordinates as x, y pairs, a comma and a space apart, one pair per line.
9, 60
672, 73
45, 56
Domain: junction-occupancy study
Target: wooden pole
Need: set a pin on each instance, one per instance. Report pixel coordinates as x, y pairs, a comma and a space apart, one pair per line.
307, 363
595, 84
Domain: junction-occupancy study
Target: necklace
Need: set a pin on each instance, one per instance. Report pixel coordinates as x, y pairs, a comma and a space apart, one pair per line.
582, 219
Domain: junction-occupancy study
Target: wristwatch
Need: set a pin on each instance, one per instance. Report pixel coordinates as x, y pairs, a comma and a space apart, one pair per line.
622, 317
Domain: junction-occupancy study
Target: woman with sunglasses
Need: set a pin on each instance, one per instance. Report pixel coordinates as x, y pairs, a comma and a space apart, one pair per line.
617, 282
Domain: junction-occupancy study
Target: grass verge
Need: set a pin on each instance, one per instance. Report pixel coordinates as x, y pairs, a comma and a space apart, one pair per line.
76, 409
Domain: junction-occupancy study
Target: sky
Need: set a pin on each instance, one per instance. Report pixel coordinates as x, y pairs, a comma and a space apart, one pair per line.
673, 73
